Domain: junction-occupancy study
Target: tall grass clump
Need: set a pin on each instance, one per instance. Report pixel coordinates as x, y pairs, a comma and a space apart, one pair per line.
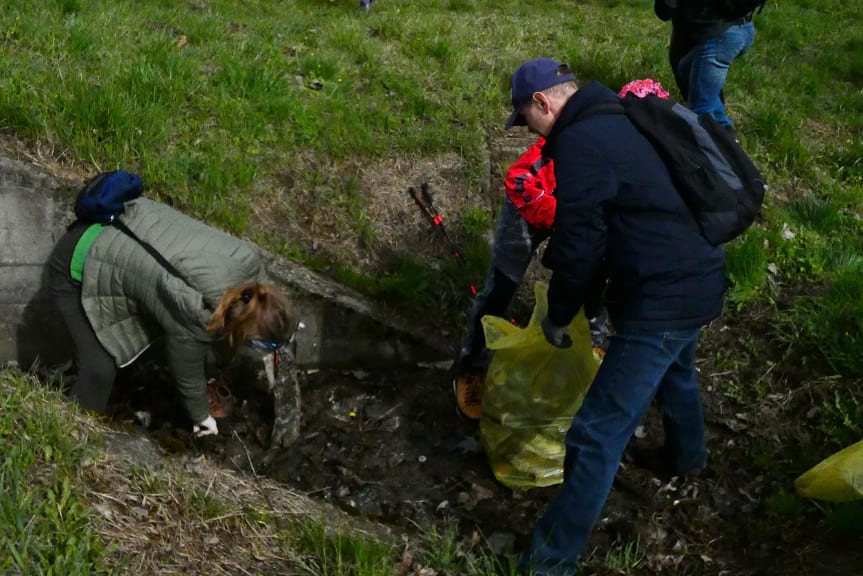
833, 321
320, 551
747, 268
446, 550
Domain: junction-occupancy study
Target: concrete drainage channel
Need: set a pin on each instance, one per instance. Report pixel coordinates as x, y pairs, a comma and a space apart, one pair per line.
373, 429
342, 329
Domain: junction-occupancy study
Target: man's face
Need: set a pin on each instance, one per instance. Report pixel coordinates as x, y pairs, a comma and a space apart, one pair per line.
538, 114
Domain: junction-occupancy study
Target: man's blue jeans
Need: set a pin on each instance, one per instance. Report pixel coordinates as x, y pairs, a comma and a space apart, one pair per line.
701, 73
636, 367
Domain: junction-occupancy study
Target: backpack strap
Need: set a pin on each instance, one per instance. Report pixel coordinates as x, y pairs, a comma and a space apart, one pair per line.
686, 218
150, 250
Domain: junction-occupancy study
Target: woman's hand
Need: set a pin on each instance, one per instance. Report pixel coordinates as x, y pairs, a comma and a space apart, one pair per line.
206, 427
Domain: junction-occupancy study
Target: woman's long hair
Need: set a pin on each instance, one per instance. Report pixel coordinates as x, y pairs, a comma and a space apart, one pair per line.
253, 311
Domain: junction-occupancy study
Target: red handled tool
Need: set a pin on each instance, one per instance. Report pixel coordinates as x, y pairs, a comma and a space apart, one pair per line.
424, 200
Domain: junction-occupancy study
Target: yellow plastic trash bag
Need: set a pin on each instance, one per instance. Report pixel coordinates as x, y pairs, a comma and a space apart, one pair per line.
838, 478
532, 391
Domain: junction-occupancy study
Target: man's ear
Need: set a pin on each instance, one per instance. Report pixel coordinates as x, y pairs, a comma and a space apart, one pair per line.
542, 101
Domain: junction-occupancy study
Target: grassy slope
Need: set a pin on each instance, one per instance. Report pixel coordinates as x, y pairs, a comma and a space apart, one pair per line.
230, 110
214, 102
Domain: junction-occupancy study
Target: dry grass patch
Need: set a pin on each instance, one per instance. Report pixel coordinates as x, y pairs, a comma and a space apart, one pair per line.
361, 216
180, 515
47, 156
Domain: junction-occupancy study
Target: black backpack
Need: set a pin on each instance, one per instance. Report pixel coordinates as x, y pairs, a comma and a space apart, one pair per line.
721, 185
734, 9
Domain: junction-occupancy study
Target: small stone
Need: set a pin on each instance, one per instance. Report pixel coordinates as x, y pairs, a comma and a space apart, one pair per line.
144, 418
481, 492
501, 542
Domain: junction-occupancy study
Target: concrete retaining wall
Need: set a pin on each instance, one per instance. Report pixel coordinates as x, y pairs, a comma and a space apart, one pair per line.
342, 328
33, 209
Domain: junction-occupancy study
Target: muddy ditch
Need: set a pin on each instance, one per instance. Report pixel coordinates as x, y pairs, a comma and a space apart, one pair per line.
390, 446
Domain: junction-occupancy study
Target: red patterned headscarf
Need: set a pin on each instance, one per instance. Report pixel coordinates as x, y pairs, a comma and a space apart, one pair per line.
642, 88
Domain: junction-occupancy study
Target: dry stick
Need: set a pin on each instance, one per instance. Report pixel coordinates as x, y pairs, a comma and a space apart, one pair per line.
210, 485
385, 414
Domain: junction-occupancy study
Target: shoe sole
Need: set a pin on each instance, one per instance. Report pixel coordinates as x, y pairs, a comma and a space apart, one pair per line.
455, 396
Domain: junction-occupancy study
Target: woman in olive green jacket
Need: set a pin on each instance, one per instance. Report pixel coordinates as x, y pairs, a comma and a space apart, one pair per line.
116, 298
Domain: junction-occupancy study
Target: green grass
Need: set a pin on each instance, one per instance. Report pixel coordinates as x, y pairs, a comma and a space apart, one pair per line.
441, 549
841, 418
845, 519
747, 268
445, 549
44, 526
214, 103
785, 503
322, 552
625, 557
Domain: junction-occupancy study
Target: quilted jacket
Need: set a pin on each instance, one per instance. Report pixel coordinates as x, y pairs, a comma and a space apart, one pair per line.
131, 300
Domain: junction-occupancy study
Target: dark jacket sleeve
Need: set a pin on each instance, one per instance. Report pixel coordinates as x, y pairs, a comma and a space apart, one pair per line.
515, 242
576, 249
664, 9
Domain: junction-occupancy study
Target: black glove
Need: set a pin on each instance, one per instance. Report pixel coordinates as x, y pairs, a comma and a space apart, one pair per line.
474, 363
556, 335
592, 309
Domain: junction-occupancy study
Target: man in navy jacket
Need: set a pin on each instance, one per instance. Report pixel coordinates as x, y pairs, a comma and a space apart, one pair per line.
618, 217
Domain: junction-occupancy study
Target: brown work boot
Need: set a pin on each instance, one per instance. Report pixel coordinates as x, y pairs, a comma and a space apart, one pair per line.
468, 389
220, 399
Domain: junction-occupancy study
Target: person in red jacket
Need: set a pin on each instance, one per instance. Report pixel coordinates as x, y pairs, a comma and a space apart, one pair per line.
530, 187
525, 221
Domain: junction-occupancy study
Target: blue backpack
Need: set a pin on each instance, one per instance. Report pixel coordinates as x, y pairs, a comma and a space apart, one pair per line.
103, 198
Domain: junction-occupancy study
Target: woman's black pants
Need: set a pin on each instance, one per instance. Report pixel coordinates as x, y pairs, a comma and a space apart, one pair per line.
96, 368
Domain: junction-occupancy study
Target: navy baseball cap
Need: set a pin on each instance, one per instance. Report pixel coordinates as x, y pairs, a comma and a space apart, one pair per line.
535, 76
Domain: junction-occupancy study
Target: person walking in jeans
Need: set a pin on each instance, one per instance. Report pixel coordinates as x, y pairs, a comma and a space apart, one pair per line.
704, 43
620, 218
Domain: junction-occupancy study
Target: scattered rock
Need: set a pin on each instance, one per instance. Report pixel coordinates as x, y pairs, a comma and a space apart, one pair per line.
501, 542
